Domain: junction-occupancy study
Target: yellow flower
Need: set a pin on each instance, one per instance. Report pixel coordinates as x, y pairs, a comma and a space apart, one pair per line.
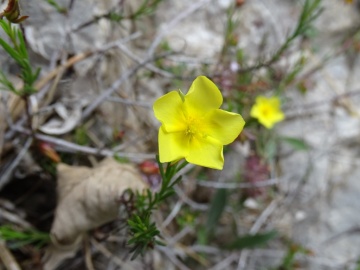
267, 111
193, 127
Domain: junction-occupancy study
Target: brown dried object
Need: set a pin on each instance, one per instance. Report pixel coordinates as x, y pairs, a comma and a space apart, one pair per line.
12, 12
87, 198
239, 2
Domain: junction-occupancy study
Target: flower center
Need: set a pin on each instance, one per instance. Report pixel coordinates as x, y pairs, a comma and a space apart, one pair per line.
191, 127
266, 111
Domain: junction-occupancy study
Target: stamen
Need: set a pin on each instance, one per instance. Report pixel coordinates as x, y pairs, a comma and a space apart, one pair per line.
192, 127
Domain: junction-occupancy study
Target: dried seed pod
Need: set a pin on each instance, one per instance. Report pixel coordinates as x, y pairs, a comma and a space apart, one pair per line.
12, 12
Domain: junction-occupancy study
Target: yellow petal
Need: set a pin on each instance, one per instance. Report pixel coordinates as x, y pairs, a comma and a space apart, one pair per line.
255, 111
172, 146
266, 122
223, 126
203, 96
274, 102
205, 151
261, 99
278, 116
169, 110
267, 111
271, 119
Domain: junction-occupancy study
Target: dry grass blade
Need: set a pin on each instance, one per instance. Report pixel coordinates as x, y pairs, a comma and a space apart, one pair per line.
7, 258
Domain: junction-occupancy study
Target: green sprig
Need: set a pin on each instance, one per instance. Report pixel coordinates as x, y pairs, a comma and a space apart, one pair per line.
144, 232
18, 51
17, 238
58, 8
310, 11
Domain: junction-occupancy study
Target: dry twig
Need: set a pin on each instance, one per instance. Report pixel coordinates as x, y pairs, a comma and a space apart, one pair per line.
7, 258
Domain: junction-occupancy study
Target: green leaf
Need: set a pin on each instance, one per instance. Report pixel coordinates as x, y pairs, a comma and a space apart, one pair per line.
161, 167
7, 85
270, 149
177, 180
12, 52
6, 26
252, 240
202, 236
170, 171
17, 239
58, 8
296, 143
358, 265
137, 251
160, 243
167, 193
22, 47
217, 207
